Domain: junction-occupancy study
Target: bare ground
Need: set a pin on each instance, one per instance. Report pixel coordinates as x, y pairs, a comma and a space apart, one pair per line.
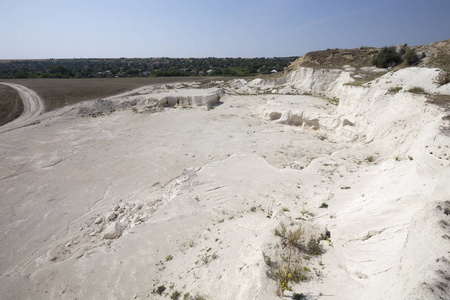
11, 105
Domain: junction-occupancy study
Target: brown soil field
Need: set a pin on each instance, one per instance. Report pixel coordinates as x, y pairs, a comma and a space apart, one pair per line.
11, 105
57, 93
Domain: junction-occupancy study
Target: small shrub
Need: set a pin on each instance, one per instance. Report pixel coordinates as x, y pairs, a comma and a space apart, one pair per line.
314, 248
411, 56
410, 157
280, 230
324, 205
267, 260
160, 289
175, 295
370, 158
289, 274
345, 187
285, 209
299, 296
169, 257
283, 279
395, 90
385, 57
296, 275
416, 90
294, 237
270, 210
334, 101
286, 273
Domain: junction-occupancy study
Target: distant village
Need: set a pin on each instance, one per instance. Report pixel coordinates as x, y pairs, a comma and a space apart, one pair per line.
141, 67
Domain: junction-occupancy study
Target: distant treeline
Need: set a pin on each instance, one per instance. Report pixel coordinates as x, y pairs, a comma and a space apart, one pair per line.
142, 67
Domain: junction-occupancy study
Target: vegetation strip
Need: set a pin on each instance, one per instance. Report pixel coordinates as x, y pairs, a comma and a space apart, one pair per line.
142, 67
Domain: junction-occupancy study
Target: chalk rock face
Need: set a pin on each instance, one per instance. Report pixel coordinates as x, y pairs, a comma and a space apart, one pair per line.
114, 230
208, 98
151, 100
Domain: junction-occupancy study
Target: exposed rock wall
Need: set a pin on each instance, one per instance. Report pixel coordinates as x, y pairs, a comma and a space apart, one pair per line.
396, 123
364, 113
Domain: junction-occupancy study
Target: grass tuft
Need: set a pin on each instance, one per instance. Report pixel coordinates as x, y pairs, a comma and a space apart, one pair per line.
324, 205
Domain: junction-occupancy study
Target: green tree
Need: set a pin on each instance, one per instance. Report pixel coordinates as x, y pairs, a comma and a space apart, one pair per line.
386, 56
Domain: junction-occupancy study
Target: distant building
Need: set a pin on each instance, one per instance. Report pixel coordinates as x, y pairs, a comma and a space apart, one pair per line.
146, 73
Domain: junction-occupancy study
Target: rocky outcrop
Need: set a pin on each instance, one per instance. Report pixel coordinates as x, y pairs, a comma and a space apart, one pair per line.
113, 230
442, 78
151, 100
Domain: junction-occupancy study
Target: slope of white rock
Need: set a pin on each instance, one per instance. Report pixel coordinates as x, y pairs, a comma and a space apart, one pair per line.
402, 200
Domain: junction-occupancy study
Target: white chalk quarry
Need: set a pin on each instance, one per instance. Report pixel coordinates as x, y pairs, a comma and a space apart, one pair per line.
115, 205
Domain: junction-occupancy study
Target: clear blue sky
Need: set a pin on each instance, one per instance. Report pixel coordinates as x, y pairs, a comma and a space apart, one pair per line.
219, 28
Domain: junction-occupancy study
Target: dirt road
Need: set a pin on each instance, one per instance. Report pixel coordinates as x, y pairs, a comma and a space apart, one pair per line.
33, 106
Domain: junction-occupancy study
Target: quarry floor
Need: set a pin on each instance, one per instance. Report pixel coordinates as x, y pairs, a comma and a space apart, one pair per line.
197, 194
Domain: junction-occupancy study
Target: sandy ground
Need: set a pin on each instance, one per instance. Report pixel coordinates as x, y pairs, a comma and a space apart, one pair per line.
182, 188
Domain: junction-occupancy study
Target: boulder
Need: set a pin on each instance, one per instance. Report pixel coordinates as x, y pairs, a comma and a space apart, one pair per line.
401, 49
442, 78
274, 115
114, 230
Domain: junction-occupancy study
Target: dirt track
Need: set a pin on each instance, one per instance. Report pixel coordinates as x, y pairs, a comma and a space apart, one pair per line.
33, 106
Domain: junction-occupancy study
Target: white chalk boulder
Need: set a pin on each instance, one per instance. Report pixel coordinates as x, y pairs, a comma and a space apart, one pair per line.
113, 231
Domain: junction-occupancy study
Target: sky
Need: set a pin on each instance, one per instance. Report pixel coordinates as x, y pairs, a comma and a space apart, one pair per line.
39, 29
